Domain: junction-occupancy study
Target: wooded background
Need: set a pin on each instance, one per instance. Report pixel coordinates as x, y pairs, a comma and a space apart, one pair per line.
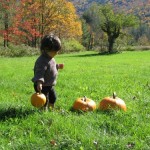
26, 21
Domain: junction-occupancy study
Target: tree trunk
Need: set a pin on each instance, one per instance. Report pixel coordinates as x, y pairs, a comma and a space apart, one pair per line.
6, 30
111, 42
91, 41
42, 19
35, 41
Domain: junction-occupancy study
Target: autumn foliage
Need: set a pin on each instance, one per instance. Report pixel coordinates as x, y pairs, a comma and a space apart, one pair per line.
26, 21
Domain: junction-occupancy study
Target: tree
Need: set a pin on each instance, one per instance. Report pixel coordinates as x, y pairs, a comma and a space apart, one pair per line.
7, 9
143, 30
60, 17
86, 35
92, 26
26, 23
112, 23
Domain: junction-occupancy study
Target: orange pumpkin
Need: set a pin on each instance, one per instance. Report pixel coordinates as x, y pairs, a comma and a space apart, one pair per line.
112, 103
84, 104
38, 100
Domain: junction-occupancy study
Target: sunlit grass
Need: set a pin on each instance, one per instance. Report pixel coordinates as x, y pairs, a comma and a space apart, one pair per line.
84, 74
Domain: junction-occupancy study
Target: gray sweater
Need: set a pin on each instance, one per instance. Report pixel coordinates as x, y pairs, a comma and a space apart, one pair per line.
45, 70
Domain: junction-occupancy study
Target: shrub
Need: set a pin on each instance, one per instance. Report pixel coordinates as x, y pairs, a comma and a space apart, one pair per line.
143, 40
18, 51
71, 45
68, 46
137, 48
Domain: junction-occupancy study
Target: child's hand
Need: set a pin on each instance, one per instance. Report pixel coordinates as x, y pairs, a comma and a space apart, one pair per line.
60, 66
39, 86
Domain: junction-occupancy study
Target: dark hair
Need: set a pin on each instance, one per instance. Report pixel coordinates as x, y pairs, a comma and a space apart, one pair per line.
50, 42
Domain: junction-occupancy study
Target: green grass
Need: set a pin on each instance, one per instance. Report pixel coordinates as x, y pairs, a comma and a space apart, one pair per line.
85, 74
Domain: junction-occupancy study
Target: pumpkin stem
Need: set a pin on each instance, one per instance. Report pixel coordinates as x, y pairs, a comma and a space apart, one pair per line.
114, 95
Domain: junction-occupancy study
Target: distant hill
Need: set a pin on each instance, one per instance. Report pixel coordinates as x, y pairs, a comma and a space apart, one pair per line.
140, 8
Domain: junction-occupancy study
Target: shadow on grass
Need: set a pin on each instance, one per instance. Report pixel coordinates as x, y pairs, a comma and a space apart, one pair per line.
78, 112
97, 54
12, 112
86, 55
106, 112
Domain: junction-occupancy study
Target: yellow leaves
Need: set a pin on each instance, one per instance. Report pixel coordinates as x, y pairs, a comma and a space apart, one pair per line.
60, 17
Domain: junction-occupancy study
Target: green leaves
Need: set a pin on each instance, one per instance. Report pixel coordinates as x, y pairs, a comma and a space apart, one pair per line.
109, 21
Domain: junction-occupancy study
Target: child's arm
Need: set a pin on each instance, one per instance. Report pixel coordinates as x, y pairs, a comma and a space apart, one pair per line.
39, 71
39, 86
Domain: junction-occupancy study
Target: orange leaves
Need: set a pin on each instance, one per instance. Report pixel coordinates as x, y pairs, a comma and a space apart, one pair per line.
32, 19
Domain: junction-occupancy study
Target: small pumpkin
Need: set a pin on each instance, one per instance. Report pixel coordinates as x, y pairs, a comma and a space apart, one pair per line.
84, 104
38, 100
112, 103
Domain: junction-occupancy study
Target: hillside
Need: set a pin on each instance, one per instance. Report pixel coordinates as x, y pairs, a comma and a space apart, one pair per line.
139, 7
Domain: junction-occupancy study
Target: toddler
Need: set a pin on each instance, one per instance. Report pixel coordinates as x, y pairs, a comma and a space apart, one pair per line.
46, 69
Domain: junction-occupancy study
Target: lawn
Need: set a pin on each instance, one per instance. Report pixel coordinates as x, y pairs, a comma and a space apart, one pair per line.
85, 74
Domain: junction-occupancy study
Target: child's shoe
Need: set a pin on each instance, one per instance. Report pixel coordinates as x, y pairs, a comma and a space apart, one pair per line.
51, 106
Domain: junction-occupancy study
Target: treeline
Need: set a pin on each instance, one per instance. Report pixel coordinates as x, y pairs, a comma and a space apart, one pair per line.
26, 21
140, 8
110, 26
101, 27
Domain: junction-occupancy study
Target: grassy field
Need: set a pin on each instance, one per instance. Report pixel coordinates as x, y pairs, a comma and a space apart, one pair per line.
85, 74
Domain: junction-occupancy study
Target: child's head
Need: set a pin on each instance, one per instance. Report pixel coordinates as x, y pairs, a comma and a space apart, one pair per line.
50, 43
